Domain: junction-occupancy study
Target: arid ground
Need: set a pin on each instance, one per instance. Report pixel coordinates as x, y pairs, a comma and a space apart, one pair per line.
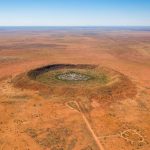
35, 115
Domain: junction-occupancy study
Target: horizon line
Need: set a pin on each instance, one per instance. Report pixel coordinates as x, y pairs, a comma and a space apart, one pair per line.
74, 25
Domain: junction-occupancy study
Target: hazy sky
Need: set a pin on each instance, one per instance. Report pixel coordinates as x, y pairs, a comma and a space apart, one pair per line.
75, 12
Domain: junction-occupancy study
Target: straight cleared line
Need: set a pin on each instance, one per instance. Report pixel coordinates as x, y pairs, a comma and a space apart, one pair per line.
90, 129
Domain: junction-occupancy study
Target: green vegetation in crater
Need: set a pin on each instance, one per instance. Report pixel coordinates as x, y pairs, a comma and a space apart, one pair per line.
73, 76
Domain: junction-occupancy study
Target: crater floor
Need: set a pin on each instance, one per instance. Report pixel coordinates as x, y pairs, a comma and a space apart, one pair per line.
73, 76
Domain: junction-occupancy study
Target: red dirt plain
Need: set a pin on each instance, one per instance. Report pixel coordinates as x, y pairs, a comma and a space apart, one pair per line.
33, 120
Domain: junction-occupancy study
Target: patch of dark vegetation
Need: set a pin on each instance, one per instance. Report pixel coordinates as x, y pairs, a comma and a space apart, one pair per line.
31, 132
72, 144
12, 102
53, 138
20, 97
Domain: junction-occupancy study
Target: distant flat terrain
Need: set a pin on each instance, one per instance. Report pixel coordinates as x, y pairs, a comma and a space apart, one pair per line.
110, 112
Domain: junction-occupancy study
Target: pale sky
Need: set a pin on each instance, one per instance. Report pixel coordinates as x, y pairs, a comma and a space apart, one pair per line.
74, 12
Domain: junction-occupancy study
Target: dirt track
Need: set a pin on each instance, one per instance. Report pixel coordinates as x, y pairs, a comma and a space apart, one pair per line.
99, 144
